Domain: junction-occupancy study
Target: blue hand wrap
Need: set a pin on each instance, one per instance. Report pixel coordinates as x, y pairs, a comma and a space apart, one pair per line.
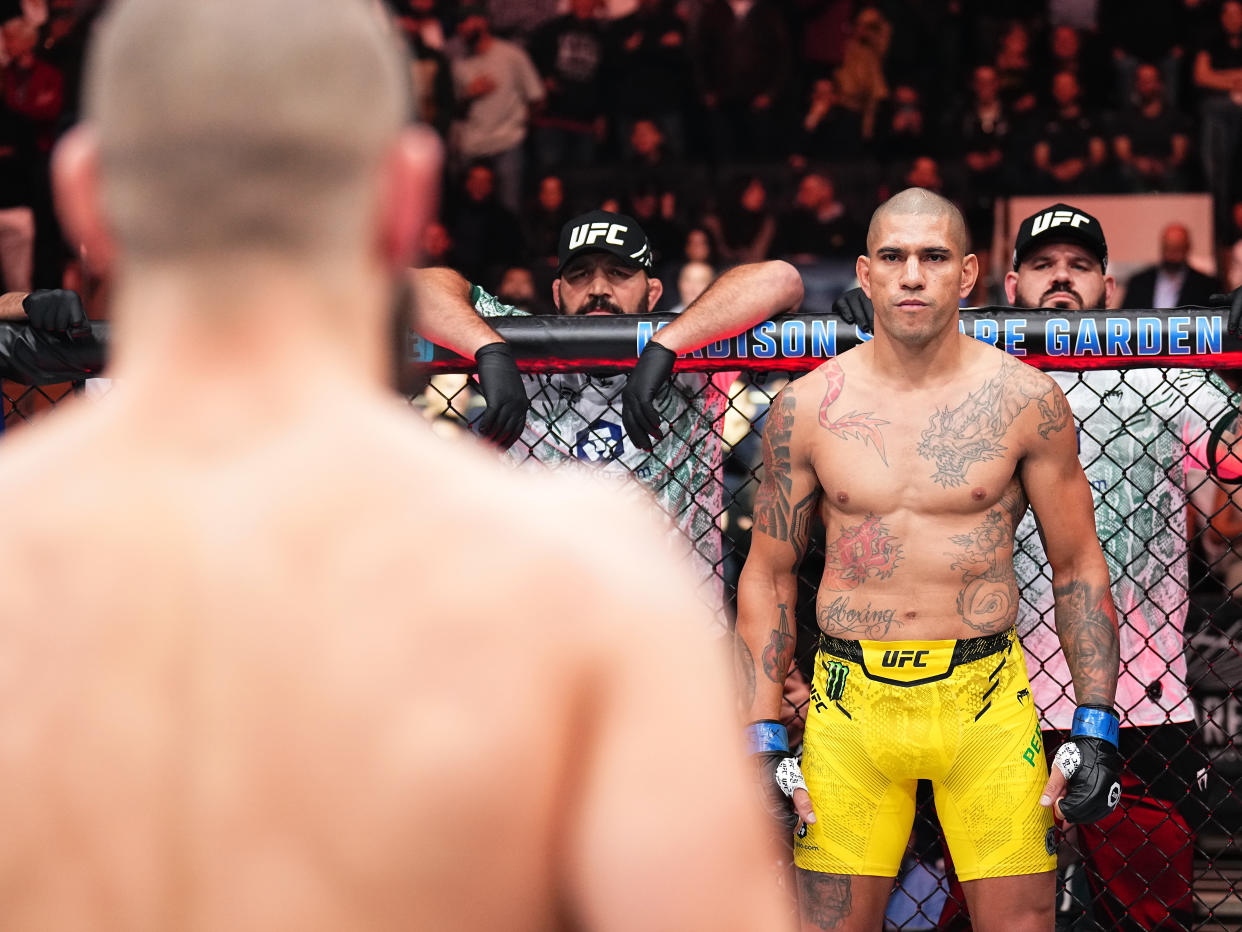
1096, 723
766, 736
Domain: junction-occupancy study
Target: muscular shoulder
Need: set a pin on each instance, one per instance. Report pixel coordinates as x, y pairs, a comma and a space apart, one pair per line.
1032, 398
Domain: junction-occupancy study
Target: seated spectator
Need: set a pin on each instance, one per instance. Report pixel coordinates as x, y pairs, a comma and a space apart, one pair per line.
487, 234
982, 133
828, 131
650, 66
1146, 31
743, 225
34, 96
1151, 138
423, 31
517, 288
569, 53
1069, 50
817, 226
902, 130
692, 281
544, 218
1016, 71
924, 172
495, 85
1070, 150
860, 80
438, 248
743, 60
1173, 282
656, 210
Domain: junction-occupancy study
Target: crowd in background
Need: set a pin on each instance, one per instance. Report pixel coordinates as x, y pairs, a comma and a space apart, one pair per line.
735, 130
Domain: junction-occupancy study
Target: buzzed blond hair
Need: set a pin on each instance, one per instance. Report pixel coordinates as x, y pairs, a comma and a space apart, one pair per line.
926, 203
234, 125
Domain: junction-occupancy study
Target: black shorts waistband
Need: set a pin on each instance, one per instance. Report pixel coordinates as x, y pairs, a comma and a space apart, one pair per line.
965, 650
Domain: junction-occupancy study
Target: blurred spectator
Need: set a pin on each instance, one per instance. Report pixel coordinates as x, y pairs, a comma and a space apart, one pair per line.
1015, 69
656, 209
650, 65
438, 248
517, 288
1069, 50
34, 97
982, 135
823, 26
545, 217
860, 80
569, 52
817, 226
901, 131
1173, 282
1218, 75
743, 59
1151, 31
1151, 139
496, 86
420, 20
518, 19
924, 172
743, 225
433, 77
648, 163
828, 131
698, 246
1070, 149
692, 281
487, 235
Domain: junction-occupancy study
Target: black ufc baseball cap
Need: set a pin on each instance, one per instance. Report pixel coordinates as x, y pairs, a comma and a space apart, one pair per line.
604, 231
1060, 223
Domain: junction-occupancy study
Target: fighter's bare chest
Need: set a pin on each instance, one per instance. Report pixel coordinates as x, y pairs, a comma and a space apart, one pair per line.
948, 450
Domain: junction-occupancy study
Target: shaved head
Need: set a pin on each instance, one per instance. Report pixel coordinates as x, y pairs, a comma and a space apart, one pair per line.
920, 201
226, 126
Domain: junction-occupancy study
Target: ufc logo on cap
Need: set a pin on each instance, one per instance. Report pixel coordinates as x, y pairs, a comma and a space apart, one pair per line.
1054, 218
588, 233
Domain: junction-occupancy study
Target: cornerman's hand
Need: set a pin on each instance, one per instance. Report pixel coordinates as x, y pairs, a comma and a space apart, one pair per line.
505, 393
854, 307
57, 311
1084, 784
638, 411
1232, 300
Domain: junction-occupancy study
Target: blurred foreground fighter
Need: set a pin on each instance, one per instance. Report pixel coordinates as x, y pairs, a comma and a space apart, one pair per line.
236, 602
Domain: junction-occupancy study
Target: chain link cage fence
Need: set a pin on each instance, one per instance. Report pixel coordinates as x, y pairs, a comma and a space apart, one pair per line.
1169, 518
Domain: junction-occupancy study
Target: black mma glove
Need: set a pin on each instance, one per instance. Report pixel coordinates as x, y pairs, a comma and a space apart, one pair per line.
854, 307
502, 387
638, 412
779, 773
57, 311
1091, 765
1233, 301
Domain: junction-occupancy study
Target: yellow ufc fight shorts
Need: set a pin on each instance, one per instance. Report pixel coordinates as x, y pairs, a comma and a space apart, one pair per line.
885, 714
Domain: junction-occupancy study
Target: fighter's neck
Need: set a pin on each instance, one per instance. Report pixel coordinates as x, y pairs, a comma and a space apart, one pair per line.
919, 365
250, 334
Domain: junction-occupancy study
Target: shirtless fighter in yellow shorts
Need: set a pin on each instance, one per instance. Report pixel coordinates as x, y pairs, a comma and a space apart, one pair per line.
921, 450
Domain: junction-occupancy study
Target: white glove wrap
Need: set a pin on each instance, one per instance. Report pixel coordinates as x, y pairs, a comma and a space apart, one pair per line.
789, 776
1068, 759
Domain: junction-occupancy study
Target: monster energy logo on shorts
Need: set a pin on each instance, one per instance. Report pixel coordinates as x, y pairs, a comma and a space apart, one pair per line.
834, 685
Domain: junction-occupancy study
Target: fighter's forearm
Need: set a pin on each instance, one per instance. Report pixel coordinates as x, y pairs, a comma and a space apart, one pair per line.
765, 640
1087, 626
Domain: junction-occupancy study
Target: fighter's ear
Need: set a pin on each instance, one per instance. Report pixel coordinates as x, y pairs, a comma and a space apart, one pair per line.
410, 194
79, 201
862, 268
1011, 286
970, 274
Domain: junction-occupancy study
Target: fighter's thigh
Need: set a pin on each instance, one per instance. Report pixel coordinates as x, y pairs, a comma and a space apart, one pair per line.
1023, 903
988, 802
841, 902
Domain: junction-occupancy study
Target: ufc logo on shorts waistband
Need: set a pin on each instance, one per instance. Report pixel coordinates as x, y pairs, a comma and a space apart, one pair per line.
899, 658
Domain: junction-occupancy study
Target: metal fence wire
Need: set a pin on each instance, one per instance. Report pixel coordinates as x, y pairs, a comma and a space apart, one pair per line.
1174, 861
1179, 602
